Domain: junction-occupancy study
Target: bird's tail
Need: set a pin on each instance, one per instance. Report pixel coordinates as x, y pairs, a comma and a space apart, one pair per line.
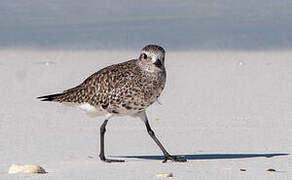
70, 95
52, 97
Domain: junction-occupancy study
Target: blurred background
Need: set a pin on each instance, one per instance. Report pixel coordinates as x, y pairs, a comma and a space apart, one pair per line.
128, 24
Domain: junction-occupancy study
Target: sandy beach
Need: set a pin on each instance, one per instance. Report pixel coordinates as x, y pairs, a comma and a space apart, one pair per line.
223, 110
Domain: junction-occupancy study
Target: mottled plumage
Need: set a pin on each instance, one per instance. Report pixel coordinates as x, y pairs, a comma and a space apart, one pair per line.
120, 88
127, 88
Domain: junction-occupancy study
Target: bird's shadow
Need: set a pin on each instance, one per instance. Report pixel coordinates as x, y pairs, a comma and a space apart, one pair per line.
207, 156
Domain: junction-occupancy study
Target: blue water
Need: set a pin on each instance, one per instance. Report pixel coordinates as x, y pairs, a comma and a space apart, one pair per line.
128, 24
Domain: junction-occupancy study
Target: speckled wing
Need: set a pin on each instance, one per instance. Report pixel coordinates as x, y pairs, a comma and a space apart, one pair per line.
105, 87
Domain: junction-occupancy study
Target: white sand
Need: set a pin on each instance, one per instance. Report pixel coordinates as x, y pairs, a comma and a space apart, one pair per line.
225, 110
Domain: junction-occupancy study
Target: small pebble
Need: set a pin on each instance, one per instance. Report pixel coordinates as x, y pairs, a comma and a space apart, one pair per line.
241, 63
31, 169
271, 170
164, 175
46, 63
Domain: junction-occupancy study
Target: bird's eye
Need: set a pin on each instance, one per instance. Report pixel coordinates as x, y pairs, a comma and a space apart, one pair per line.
144, 56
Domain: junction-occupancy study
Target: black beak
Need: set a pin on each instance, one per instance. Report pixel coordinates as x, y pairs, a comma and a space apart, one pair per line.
158, 63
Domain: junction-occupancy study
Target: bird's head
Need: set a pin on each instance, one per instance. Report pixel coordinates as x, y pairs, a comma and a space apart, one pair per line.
152, 56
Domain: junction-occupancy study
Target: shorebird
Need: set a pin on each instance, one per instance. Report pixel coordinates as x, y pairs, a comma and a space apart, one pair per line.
124, 89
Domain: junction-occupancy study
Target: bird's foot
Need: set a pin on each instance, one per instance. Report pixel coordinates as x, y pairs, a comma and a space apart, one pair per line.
113, 160
110, 160
174, 158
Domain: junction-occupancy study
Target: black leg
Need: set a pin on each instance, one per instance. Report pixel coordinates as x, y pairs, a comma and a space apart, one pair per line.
101, 154
167, 156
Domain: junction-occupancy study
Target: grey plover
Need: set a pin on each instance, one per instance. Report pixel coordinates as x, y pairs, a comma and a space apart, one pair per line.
122, 89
